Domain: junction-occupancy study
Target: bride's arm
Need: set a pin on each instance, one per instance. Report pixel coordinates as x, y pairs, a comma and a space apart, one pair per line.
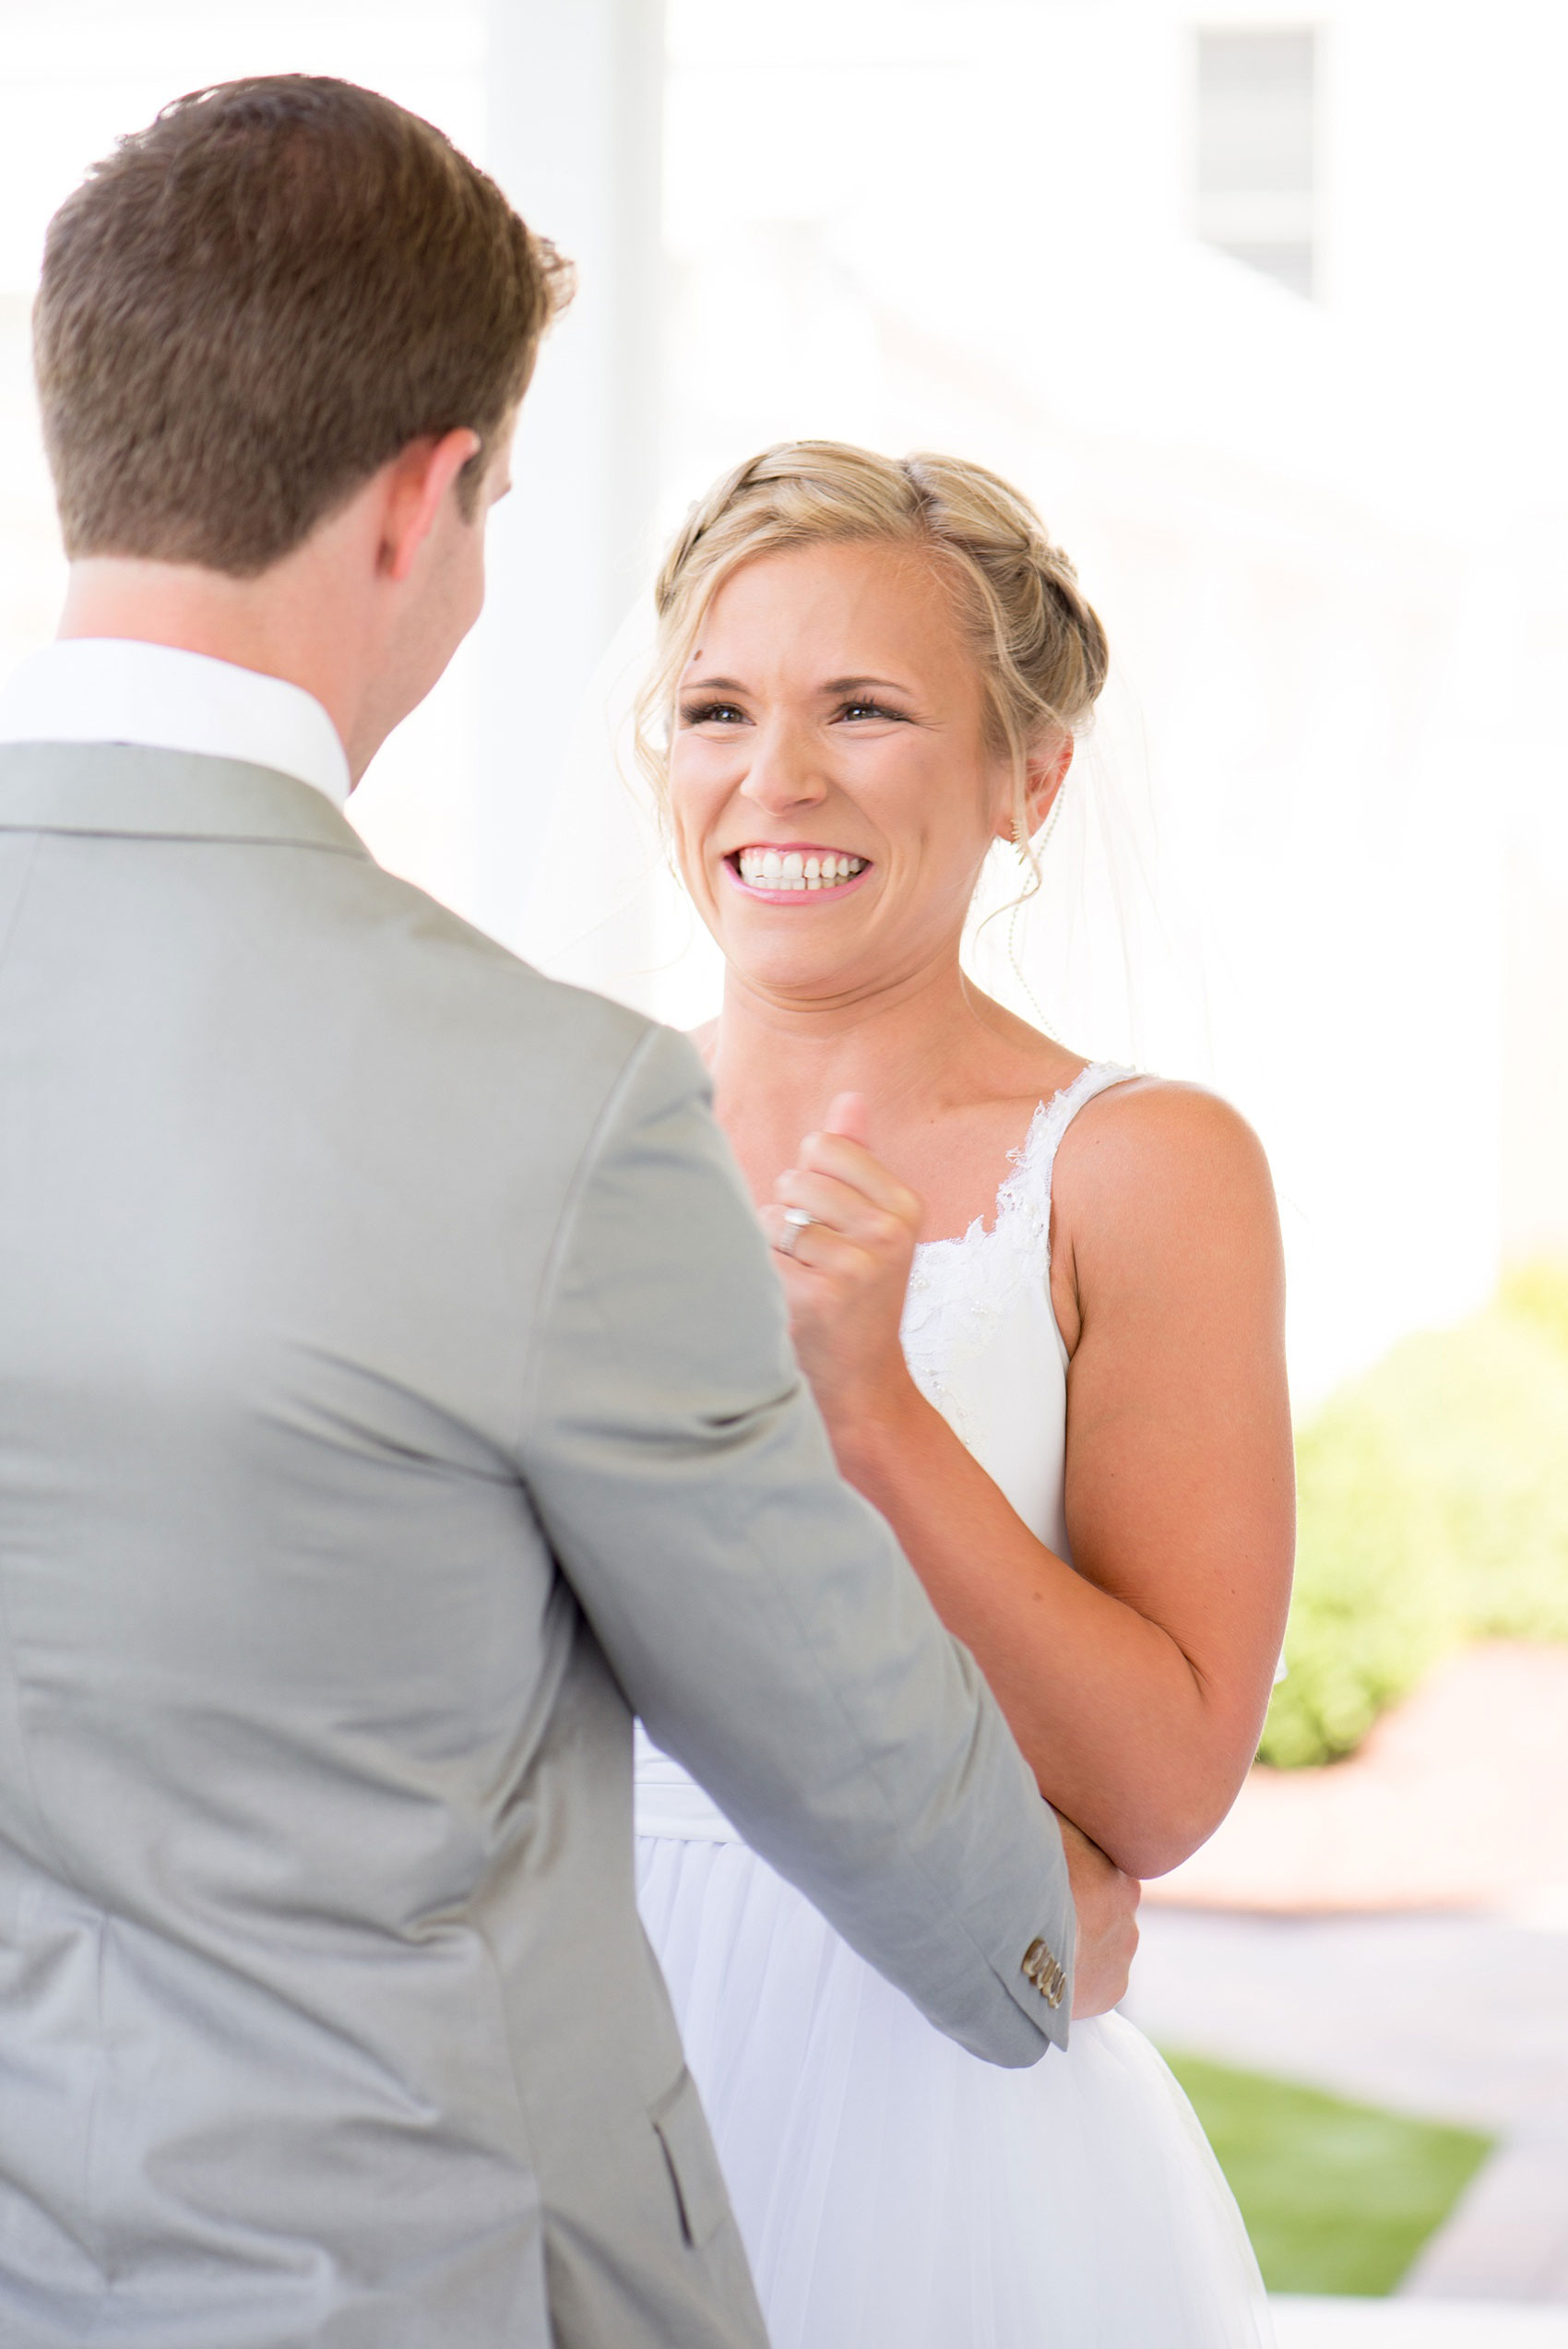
1135, 1679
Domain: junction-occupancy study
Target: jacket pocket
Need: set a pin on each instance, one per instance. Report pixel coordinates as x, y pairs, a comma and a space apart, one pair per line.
681, 2128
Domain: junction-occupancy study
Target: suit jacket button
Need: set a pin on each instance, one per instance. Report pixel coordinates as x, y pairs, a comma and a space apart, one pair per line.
1042, 1970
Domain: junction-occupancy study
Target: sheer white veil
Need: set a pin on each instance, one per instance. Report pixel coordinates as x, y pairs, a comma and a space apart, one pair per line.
1097, 944
1098, 951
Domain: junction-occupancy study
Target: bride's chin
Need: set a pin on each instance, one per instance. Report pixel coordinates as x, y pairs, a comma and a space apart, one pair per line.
800, 981
777, 958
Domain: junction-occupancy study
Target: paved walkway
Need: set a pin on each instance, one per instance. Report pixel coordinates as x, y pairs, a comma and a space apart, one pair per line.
1454, 2017
1510, 2230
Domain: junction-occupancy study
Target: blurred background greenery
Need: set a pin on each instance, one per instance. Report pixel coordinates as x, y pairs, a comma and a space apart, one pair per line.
1434, 1509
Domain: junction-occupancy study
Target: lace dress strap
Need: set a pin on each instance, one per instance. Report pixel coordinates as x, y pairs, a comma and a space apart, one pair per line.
963, 1291
1024, 1200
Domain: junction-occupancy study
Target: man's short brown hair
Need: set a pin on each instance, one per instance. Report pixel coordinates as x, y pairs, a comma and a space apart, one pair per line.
259, 301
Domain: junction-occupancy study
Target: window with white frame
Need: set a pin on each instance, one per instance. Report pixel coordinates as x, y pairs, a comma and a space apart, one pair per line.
1256, 160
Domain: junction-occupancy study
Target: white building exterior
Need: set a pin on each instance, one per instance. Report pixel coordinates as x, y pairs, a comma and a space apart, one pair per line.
1324, 529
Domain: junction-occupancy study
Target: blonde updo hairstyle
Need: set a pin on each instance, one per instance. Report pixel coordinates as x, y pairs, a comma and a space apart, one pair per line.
1039, 648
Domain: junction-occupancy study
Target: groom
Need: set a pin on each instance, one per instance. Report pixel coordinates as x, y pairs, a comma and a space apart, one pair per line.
393, 1390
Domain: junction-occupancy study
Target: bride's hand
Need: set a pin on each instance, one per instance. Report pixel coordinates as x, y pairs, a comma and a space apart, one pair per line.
845, 1231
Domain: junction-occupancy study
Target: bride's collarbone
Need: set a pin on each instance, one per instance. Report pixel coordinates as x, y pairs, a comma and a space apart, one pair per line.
959, 1163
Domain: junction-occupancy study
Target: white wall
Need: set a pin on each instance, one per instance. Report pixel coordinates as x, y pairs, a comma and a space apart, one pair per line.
574, 101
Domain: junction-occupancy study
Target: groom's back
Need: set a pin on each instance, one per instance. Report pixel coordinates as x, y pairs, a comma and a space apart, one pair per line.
290, 1868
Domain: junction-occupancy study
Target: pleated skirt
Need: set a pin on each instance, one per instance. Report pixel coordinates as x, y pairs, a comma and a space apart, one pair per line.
893, 2189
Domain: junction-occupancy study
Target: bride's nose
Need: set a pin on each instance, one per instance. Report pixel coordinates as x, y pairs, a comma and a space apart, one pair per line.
785, 772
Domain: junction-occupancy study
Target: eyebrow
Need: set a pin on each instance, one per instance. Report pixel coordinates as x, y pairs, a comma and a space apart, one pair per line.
834, 684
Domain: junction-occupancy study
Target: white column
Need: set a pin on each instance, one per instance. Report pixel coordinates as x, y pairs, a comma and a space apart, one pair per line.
574, 120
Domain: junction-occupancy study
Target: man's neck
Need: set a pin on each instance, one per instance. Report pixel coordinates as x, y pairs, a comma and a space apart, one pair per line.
274, 624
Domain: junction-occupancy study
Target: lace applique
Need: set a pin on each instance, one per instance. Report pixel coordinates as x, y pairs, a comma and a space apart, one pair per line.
960, 1289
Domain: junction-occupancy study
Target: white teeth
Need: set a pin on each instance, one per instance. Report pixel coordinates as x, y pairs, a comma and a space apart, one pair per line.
780, 869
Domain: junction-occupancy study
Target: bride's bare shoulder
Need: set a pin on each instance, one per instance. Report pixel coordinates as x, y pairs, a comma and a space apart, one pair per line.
1156, 1166
1158, 1125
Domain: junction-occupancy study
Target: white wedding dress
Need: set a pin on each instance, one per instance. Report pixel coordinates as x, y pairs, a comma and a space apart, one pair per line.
890, 2188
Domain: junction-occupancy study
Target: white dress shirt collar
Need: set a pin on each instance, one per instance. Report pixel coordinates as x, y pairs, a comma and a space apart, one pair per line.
116, 689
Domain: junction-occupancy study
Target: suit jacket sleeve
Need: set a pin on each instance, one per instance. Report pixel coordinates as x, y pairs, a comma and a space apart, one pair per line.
759, 1613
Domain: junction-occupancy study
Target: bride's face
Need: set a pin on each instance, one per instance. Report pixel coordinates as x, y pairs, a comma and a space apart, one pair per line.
832, 788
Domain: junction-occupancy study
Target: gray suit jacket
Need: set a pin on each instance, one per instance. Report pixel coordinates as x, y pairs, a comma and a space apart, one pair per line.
394, 1395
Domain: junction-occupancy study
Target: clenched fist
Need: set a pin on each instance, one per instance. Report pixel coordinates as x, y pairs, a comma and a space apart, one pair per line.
1106, 1903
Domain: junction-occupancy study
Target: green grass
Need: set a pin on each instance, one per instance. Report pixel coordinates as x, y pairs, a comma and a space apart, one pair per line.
1337, 2198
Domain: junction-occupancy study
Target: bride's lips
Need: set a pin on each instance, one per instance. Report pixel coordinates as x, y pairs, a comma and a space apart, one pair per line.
795, 872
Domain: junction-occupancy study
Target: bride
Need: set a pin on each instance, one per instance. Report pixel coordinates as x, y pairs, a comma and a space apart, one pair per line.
1040, 1302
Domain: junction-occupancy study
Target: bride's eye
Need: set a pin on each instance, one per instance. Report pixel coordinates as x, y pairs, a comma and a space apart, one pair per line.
862, 709
711, 713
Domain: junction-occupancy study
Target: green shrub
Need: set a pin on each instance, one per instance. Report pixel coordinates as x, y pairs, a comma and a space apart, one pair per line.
1480, 1417
1433, 1506
1375, 1602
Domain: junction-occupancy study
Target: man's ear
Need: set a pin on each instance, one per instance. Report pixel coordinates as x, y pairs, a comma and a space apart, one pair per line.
417, 482
1044, 775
